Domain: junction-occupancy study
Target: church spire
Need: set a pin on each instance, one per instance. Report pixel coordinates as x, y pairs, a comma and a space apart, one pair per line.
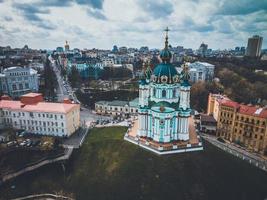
165, 54
166, 38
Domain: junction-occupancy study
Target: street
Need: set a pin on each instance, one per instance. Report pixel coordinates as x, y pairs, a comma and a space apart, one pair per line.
64, 90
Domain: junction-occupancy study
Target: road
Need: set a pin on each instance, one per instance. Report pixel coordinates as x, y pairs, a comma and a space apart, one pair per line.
64, 90
87, 116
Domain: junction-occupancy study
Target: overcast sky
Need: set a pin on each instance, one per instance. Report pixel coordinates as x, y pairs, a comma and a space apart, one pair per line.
47, 24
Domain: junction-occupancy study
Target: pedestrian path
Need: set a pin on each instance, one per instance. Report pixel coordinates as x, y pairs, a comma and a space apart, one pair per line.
66, 156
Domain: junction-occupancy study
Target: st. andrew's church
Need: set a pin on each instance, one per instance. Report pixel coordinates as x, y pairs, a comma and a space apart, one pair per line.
163, 124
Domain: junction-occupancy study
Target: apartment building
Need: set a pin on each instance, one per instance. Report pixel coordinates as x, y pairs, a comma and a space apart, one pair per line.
35, 116
245, 125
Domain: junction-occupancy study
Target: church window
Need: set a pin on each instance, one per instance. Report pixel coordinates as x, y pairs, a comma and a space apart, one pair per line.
174, 93
163, 93
154, 92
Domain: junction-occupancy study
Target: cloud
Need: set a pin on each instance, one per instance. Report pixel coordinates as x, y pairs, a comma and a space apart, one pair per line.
188, 24
8, 18
244, 7
97, 4
221, 24
156, 8
30, 12
54, 3
96, 13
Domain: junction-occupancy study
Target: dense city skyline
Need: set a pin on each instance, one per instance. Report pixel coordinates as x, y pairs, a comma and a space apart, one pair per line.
103, 23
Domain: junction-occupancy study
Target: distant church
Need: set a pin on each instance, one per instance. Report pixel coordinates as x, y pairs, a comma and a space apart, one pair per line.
164, 109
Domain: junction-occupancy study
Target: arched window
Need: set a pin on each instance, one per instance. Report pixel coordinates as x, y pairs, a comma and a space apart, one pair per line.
163, 93
173, 93
154, 92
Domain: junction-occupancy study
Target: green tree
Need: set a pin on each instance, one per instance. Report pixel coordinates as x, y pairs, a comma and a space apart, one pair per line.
74, 77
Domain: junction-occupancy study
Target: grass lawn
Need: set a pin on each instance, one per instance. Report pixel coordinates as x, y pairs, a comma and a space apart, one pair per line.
107, 167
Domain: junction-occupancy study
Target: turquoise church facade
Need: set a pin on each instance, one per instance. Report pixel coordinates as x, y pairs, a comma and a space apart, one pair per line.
164, 101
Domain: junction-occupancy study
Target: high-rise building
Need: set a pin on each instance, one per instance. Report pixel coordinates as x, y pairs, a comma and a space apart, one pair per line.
203, 49
254, 46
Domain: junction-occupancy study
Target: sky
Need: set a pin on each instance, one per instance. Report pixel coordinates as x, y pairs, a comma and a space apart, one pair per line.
47, 24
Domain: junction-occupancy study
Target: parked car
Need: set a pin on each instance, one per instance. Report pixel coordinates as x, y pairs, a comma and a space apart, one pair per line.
35, 143
11, 143
221, 140
23, 143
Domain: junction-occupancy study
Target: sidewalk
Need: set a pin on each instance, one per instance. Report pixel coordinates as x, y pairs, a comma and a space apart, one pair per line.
238, 152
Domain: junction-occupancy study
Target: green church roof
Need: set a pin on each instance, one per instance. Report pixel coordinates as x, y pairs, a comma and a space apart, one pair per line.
165, 69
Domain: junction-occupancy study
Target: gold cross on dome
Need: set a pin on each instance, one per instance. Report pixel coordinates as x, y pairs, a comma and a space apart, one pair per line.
167, 30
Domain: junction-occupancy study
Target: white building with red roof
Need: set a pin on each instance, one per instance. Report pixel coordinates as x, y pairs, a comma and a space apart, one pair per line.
36, 116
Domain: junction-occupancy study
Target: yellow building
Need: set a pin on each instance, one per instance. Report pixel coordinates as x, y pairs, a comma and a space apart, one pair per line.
213, 104
245, 125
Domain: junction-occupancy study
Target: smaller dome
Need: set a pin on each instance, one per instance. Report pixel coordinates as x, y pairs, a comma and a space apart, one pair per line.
165, 55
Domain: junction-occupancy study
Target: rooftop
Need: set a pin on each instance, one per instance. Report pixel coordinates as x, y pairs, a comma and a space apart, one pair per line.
46, 107
246, 109
207, 118
31, 94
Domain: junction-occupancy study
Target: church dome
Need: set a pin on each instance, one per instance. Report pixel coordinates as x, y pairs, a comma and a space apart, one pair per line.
165, 71
165, 55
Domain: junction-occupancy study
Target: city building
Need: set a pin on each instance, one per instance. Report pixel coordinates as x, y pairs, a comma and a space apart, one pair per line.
108, 61
254, 46
16, 81
203, 50
164, 124
35, 116
245, 125
214, 103
201, 71
207, 124
59, 50
88, 67
117, 108
67, 46
123, 50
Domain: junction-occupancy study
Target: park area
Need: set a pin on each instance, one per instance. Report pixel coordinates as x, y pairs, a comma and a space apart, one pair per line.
107, 167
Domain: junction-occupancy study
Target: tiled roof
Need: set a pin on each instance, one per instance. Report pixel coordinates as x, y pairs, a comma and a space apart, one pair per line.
253, 111
207, 118
10, 104
117, 103
31, 94
229, 103
39, 107
50, 107
246, 109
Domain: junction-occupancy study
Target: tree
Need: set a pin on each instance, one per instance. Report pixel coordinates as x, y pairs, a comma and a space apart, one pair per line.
74, 77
